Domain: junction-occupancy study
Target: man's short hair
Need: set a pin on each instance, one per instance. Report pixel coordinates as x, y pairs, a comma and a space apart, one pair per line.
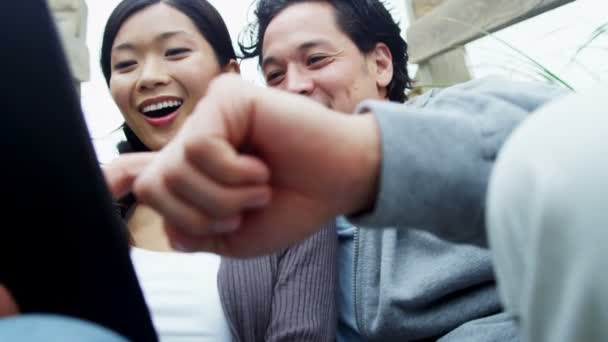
365, 22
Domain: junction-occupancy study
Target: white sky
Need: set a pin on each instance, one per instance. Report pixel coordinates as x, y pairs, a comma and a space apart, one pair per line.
551, 38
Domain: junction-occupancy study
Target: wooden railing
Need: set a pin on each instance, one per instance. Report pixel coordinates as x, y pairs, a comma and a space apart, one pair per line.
439, 30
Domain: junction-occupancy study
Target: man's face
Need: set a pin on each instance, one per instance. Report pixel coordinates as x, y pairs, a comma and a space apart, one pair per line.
306, 53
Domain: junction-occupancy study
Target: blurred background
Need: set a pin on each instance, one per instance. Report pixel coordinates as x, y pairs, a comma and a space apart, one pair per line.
567, 45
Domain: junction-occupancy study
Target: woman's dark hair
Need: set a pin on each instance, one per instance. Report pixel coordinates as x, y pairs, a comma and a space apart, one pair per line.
204, 16
206, 19
365, 22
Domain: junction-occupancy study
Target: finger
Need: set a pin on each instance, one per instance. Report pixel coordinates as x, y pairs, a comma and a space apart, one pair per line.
155, 194
230, 244
241, 243
219, 131
265, 231
8, 306
221, 162
122, 172
215, 200
220, 244
187, 243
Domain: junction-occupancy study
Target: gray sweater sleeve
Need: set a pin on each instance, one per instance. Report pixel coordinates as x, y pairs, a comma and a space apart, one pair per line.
438, 151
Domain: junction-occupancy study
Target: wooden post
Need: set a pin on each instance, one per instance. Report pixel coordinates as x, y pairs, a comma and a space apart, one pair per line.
440, 29
71, 19
453, 23
443, 69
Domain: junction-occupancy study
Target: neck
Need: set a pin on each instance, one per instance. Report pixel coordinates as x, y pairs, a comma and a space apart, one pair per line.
147, 231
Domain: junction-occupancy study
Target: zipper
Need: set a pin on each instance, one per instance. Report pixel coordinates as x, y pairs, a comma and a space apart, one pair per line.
356, 298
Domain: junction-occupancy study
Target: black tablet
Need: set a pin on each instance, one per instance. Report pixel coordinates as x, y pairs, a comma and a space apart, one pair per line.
63, 249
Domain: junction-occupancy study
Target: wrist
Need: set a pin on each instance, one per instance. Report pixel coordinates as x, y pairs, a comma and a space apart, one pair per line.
365, 164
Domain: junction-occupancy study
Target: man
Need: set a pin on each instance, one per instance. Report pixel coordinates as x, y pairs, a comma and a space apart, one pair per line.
546, 206
340, 54
424, 165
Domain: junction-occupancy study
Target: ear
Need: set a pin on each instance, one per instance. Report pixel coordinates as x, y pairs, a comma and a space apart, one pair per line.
382, 60
232, 66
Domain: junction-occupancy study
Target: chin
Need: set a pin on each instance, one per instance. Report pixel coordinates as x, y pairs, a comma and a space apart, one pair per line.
158, 144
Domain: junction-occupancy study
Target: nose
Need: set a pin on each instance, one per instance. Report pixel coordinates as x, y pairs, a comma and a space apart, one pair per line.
153, 74
297, 82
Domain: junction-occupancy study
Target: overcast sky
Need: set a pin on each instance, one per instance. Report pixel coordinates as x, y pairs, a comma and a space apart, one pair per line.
551, 38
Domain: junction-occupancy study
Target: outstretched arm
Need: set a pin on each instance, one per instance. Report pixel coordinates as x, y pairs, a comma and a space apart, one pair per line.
214, 197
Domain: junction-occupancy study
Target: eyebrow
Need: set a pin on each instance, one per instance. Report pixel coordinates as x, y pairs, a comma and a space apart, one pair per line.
160, 37
303, 47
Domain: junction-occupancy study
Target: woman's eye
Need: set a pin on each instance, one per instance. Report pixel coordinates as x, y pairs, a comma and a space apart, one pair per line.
273, 77
176, 52
124, 65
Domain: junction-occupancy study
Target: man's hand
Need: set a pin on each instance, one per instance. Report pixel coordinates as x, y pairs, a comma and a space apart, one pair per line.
254, 170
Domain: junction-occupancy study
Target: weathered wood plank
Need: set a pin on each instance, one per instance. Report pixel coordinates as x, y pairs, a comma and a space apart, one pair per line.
71, 19
456, 22
443, 70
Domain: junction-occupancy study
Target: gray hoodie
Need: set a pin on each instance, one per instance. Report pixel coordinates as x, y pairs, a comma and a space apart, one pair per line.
434, 278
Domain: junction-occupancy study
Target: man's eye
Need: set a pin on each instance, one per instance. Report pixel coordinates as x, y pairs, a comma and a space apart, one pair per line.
176, 52
124, 65
316, 60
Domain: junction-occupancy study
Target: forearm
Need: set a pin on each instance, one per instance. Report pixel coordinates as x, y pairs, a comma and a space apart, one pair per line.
436, 160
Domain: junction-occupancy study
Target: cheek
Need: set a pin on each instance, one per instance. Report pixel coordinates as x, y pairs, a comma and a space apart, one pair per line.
346, 85
196, 86
121, 94
337, 80
196, 76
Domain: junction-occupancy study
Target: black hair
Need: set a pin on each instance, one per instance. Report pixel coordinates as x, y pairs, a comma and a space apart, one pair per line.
365, 22
204, 16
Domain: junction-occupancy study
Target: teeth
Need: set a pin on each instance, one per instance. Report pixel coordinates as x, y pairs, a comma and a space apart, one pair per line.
161, 105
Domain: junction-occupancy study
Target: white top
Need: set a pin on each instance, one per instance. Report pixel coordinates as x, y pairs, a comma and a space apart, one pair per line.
182, 295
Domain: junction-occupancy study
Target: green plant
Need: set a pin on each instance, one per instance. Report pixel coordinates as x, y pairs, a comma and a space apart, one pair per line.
540, 69
598, 32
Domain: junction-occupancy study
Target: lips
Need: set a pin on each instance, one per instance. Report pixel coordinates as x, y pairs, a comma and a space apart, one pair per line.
162, 121
160, 111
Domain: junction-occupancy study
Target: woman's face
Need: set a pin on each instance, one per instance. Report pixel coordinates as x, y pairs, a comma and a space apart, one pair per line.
161, 66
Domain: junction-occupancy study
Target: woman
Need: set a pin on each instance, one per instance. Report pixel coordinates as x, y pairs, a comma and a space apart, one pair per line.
158, 57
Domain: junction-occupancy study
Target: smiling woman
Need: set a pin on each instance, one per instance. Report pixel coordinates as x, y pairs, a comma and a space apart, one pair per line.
158, 58
156, 76
101, 112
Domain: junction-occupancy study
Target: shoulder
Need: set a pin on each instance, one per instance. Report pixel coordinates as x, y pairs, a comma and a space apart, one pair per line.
527, 95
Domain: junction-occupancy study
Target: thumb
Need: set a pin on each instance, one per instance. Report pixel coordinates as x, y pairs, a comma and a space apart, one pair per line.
120, 174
